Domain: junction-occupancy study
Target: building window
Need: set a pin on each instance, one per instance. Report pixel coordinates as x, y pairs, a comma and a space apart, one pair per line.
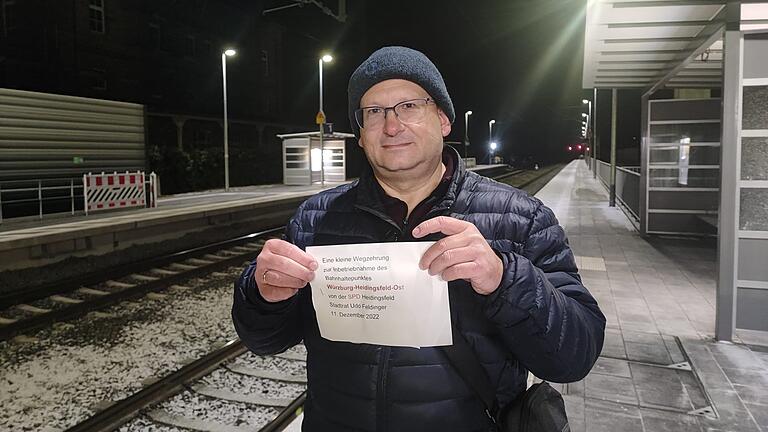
265, 62
97, 79
201, 138
189, 46
154, 36
96, 15
206, 48
266, 102
9, 17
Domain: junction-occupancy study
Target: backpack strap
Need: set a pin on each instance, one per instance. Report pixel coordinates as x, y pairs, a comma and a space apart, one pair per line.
467, 365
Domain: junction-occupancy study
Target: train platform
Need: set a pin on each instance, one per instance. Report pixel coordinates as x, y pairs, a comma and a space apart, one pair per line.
660, 368
190, 200
24, 227
36, 244
67, 246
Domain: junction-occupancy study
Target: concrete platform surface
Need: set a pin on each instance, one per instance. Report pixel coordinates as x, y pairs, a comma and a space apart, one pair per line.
216, 199
166, 205
660, 368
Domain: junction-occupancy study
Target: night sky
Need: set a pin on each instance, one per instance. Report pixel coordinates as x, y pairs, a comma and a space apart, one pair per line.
518, 62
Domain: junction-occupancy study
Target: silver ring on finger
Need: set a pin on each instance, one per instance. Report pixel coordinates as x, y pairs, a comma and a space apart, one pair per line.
264, 276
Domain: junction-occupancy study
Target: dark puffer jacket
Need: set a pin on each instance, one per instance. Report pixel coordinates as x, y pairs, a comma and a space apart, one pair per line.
540, 319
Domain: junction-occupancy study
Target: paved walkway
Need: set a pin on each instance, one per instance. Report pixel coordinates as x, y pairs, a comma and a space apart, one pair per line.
660, 368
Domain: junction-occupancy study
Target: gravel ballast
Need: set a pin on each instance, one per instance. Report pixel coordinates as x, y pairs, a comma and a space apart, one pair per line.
57, 377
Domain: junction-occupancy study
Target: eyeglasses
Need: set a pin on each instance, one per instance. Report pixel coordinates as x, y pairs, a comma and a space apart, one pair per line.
408, 112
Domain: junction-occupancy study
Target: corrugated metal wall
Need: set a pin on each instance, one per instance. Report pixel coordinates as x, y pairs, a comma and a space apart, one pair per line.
53, 136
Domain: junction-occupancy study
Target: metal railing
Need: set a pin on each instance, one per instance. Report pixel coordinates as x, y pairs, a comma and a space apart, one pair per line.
627, 186
23, 198
36, 198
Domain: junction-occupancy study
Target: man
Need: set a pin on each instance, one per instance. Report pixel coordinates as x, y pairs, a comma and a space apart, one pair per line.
515, 293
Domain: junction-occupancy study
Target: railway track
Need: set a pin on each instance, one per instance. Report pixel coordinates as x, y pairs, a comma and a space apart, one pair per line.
219, 380
223, 378
102, 289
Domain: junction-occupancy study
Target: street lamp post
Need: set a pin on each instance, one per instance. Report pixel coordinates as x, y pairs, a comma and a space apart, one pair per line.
493, 151
321, 115
490, 137
466, 131
227, 53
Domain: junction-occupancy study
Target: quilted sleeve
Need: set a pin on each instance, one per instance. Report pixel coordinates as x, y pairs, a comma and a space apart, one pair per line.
266, 328
546, 317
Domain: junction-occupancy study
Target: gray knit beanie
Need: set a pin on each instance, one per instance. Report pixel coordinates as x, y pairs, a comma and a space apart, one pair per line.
396, 62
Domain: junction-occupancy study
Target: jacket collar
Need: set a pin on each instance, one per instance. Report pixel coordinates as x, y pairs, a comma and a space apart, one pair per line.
368, 197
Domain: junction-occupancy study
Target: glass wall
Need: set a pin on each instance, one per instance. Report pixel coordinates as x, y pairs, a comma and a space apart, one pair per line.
683, 166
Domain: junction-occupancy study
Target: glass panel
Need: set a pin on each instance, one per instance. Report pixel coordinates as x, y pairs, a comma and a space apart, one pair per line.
684, 200
754, 158
687, 177
755, 109
702, 109
681, 223
696, 132
628, 189
753, 269
696, 155
754, 209
751, 304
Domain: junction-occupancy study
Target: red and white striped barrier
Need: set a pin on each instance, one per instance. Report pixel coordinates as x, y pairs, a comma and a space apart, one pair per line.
117, 190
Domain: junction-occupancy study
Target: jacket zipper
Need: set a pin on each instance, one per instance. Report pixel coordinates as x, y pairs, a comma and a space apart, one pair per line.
381, 393
384, 354
385, 218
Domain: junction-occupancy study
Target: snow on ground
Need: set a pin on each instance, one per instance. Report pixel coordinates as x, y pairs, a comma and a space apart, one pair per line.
64, 374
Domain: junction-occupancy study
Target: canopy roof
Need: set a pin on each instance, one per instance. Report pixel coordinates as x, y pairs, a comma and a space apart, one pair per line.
653, 44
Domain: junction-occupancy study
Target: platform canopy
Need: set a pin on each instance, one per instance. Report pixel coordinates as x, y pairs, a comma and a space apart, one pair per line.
653, 44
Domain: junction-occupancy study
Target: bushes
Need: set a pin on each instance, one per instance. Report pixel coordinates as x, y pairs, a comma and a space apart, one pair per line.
185, 171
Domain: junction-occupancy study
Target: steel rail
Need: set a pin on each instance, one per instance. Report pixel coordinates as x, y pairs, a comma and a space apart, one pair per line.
74, 310
67, 285
115, 415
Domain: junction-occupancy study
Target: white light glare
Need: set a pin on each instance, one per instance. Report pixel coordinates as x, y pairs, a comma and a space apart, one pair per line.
316, 164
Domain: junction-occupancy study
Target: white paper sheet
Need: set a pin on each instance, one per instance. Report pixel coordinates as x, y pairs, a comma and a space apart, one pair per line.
375, 293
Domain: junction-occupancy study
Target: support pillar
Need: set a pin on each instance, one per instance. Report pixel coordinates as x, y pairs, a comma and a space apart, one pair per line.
595, 138
614, 98
179, 122
645, 141
725, 317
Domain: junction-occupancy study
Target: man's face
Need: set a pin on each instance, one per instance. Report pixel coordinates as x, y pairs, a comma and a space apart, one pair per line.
397, 147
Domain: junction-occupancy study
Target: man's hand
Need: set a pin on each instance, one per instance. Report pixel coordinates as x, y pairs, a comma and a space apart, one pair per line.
282, 269
464, 254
